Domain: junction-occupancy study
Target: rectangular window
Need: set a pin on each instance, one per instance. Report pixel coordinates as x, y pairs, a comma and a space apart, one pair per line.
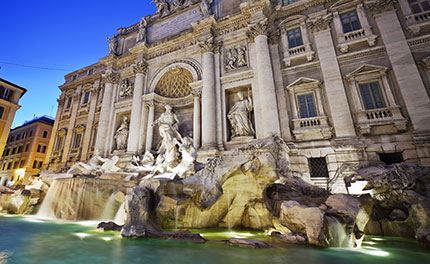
350, 21
306, 105
318, 168
5, 93
1, 112
9, 166
391, 158
419, 6
7, 152
45, 134
59, 143
21, 163
15, 165
86, 98
35, 164
4, 166
40, 165
77, 141
372, 96
69, 102
19, 149
38, 148
31, 133
43, 149
294, 38
26, 148
12, 138
18, 137
13, 151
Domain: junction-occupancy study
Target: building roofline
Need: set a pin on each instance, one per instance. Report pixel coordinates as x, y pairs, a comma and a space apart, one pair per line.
43, 119
16, 86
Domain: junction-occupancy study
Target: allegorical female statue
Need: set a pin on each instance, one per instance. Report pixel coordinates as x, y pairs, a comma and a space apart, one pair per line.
141, 35
113, 44
239, 117
121, 134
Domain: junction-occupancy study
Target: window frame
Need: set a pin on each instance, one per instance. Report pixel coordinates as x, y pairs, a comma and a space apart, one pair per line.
372, 95
299, 104
349, 23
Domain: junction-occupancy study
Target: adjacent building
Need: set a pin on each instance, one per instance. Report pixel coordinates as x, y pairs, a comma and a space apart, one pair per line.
342, 82
25, 151
10, 94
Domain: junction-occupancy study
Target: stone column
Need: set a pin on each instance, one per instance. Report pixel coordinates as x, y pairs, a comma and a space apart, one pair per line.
136, 108
196, 119
110, 78
405, 70
293, 104
336, 95
150, 129
142, 128
265, 81
209, 110
53, 138
86, 141
72, 124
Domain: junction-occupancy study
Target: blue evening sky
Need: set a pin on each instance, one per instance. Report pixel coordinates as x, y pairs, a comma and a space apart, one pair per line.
65, 35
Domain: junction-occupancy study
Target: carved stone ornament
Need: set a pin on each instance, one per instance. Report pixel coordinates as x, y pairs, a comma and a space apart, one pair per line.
113, 45
258, 28
380, 6
163, 7
209, 45
140, 67
126, 89
196, 93
320, 23
111, 77
235, 58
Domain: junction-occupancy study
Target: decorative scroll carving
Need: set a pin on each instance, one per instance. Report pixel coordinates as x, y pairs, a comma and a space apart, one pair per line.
126, 89
258, 28
140, 67
111, 77
320, 23
196, 93
209, 45
380, 6
235, 58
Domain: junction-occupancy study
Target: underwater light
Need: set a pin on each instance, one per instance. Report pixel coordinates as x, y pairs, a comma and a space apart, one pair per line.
237, 234
376, 252
377, 238
106, 238
369, 242
81, 235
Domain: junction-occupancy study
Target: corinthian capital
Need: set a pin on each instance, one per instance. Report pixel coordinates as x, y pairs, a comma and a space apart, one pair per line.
140, 67
111, 77
209, 45
380, 6
320, 23
258, 28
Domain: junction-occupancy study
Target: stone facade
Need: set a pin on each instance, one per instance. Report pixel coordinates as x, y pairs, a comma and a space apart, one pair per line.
344, 83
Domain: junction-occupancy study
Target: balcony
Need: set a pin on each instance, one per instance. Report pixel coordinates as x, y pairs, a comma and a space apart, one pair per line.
303, 51
416, 22
381, 121
346, 40
313, 128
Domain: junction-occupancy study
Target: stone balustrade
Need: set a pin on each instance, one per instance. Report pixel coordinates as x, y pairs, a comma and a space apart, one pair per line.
303, 51
416, 22
381, 117
361, 35
312, 128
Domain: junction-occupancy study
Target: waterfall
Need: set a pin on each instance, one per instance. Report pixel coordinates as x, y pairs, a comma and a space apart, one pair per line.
120, 215
78, 198
111, 208
337, 235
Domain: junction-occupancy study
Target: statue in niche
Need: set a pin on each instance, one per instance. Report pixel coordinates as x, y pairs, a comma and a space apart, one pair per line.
113, 44
170, 138
205, 6
162, 7
141, 35
239, 117
121, 134
126, 89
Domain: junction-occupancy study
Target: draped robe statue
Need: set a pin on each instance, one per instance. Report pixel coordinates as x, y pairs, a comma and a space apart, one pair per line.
239, 117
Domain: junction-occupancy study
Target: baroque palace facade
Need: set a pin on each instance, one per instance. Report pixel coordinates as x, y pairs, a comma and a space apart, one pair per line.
341, 82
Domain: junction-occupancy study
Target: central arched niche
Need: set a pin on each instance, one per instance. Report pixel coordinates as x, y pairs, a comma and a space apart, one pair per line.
175, 83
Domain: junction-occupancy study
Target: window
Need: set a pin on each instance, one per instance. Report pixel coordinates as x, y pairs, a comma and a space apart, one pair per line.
1, 112
26, 148
21, 163
35, 164
306, 105
77, 141
43, 149
7, 152
90, 71
45, 134
4, 166
5, 93
318, 168
38, 148
86, 97
287, 2
419, 6
294, 38
31, 133
69, 102
9, 166
18, 137
13, 151
15, 165
391, 158
59, 143
19, 149
372, 96
350, 21
12, 138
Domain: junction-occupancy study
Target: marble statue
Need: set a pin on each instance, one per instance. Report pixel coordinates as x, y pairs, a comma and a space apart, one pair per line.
168, 129
126, 89
95, 165
235, 58
144, 164
113, 44
231, 60
162, 6
141, 35
241, 57
239, 117
205, 6
121, 134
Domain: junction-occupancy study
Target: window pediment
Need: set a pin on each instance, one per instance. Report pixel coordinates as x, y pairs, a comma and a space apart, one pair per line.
343, 5
62, 131
79, 128
303, 83
366, 69
292, 21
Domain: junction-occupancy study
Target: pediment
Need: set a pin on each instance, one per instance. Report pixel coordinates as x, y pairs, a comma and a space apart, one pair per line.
365, 69
342, 4
292, 20
80, 128
304, 81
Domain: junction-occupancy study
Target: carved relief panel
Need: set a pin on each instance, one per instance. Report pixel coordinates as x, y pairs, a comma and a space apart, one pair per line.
235, 57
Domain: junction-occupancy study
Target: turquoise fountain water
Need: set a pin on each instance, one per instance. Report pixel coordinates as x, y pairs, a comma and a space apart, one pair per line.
29, 240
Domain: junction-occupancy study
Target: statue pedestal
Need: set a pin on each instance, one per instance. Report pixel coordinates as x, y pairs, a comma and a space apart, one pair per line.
238, 141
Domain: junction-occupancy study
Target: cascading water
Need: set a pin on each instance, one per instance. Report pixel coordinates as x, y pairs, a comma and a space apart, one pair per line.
78, 198
111, 209
120, 215
337, 235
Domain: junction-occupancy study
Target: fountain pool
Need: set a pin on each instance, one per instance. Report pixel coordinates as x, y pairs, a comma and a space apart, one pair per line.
31, 240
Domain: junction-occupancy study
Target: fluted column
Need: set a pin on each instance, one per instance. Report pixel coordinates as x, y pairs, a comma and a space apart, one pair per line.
136, 108
110, 79
196, 119
208, 94
150, 129
405, 70
265, 80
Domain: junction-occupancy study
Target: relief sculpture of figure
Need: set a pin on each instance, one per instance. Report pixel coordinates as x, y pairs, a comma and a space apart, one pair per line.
205, 6
239, 117
241, 57
121, 134
162, 7
141, 35
113, 44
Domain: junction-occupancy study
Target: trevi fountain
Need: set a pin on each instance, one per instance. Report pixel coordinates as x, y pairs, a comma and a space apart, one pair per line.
164, 188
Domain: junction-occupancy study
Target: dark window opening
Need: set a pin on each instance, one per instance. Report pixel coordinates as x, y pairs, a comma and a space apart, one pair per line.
318, 167
391, 158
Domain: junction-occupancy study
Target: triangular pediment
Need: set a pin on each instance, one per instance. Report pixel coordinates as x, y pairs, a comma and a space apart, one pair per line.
290, 20
367, 68
304, 81
343, 4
